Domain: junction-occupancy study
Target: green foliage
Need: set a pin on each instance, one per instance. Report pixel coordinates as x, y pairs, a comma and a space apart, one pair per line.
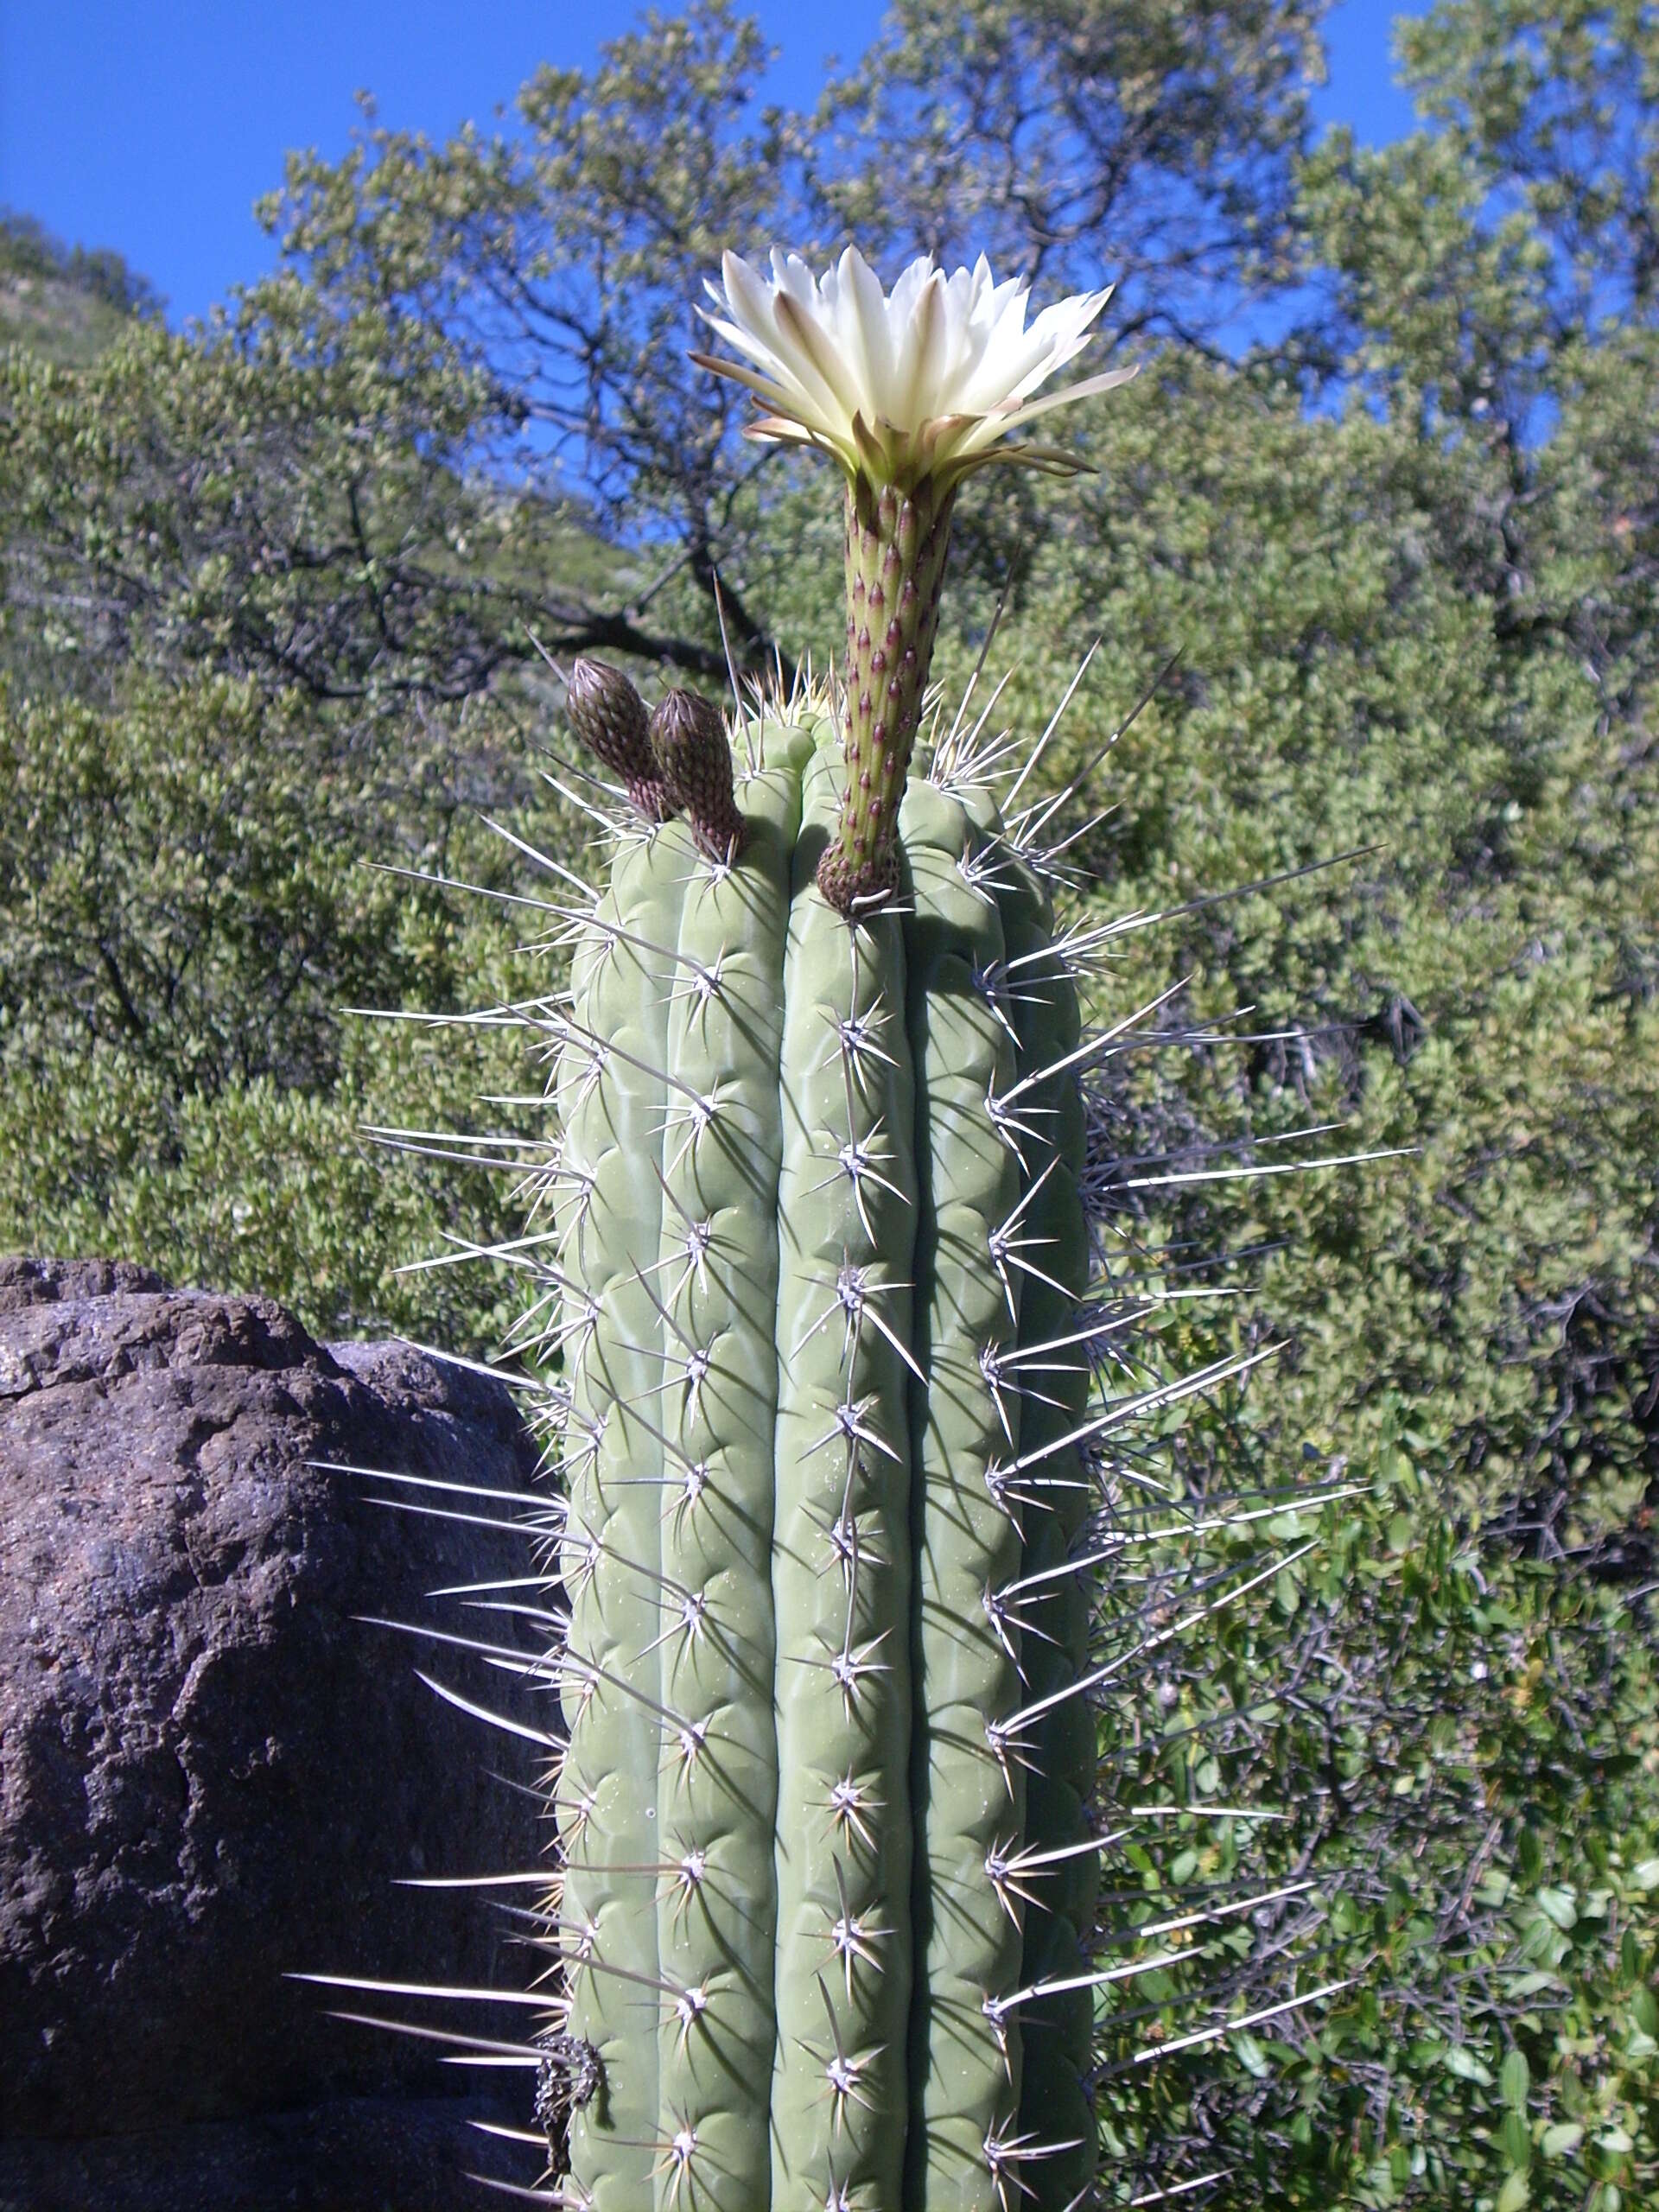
179, 885
263, 1190
281, 499
186, 908
1477, 1808
1474, 987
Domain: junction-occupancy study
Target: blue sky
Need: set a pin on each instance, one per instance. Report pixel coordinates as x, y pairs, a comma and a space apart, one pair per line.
152, 125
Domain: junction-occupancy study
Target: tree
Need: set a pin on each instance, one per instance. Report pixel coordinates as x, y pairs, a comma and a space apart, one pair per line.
1151, 146
1496, 281
562, 265
561, 268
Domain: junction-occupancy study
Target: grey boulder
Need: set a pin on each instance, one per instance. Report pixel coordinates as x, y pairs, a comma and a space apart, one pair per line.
213, 1775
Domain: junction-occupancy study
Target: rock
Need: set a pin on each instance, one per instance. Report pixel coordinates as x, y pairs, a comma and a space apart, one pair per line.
353, 2154
48, 1283
212, 1773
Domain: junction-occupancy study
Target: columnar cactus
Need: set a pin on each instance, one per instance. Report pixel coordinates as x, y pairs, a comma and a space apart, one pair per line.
827, 1857
816, 1290
820, 1251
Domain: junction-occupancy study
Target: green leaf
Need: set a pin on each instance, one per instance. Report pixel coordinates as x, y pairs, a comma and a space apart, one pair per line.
1561, 2140
1463, 2063
1250, 2054
1514, 2080
1514, 2193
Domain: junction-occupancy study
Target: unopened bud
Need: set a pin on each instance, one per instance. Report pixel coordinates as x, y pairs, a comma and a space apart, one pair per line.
693, 760
609, 716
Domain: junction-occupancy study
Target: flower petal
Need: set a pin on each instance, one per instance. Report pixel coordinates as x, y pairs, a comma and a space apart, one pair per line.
915, 371
857, 315
1108, 380
934, 375
747, 296
815, 358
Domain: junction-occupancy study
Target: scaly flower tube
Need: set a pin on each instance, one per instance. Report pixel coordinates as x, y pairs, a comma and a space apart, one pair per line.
910, 392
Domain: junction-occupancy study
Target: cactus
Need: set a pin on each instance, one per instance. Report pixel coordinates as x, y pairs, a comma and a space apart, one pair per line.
808, 1297
820, 1249
822, 1317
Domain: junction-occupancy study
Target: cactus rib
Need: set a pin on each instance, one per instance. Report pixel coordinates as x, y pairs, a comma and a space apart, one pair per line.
969, 1802
841, 1564
717, 1280
614, 1110
1056, 2114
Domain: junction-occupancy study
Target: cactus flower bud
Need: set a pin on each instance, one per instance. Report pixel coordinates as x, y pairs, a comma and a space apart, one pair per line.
694, 760
609, 716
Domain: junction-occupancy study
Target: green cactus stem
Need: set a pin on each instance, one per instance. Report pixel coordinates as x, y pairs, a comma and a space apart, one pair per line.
824, 1354
804, 1238
832, 1480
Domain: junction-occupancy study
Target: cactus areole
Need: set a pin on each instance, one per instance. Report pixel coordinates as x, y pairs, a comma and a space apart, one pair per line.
828, 1865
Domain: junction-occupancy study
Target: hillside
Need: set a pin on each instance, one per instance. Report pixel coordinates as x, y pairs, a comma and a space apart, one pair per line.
65, 303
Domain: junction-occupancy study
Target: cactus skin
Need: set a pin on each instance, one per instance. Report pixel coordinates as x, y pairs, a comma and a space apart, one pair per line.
1055, 2107
718, 1285
969, 1802
840, 1565
613, 1106
797, 1249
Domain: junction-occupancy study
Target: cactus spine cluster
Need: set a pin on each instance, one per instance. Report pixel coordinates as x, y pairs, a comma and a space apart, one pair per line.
828, 1861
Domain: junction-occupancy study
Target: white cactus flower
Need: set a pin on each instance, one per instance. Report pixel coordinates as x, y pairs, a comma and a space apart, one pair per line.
928, 380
